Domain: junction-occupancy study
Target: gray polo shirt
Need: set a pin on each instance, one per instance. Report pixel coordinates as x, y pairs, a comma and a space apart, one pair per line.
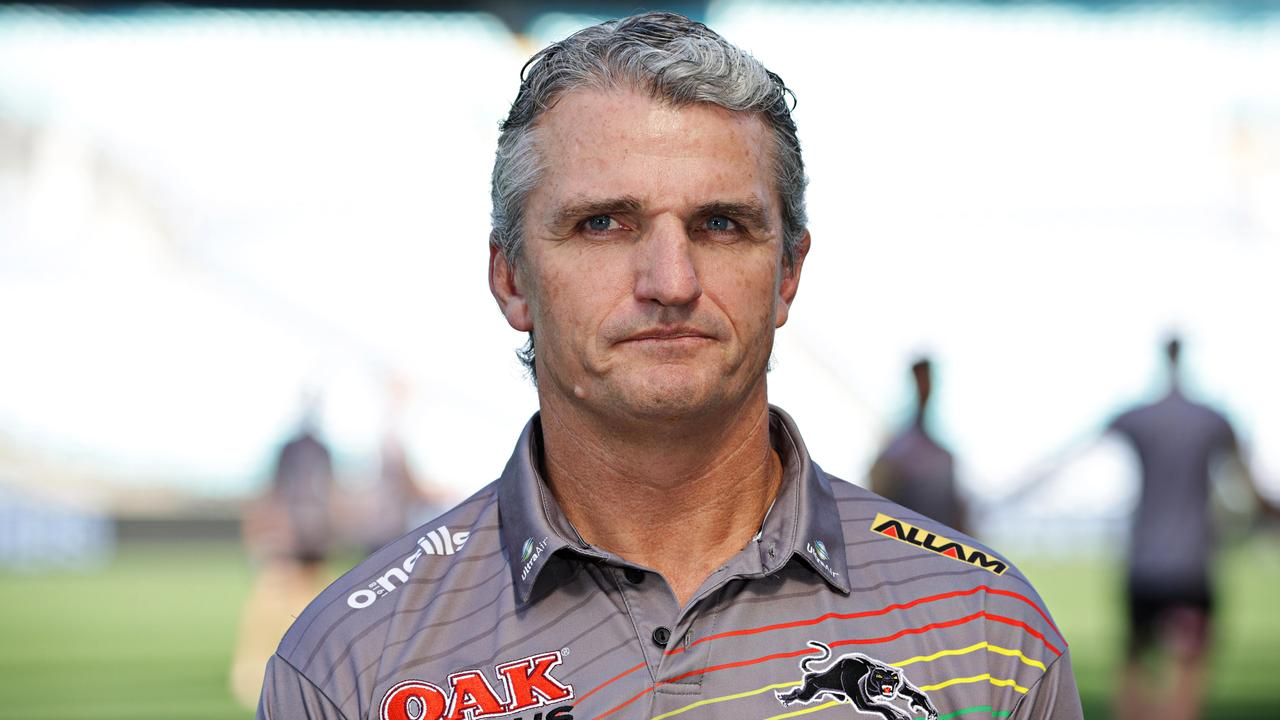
843, 602
1173, 534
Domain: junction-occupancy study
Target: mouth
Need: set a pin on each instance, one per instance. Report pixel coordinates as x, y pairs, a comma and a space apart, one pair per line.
886, 689
675, 335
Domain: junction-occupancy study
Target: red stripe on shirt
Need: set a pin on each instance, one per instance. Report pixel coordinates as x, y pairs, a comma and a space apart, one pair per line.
852, 641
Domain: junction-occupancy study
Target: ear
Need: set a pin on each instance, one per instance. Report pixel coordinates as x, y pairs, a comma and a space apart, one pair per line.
791, 280
504, 283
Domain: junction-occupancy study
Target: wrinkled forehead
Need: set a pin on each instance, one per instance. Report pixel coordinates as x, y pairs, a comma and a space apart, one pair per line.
631, 142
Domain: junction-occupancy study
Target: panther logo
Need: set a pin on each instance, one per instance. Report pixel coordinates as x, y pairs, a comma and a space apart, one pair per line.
867, 684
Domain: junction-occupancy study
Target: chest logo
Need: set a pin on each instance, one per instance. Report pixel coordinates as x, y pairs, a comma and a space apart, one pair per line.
437, 542
467, 695
867, 684
935, 543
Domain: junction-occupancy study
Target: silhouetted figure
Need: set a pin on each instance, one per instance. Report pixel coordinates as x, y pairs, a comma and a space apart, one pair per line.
1170, 590
917, 472
302, 489
398, 499
289, 532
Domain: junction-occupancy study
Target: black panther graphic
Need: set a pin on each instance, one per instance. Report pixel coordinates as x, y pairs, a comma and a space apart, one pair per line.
868, 684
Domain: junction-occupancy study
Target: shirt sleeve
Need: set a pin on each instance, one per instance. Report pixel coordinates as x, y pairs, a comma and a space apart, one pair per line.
288, 695
1053, 697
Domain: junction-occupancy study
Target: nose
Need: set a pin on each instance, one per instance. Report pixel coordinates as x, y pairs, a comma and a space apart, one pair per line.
665, 272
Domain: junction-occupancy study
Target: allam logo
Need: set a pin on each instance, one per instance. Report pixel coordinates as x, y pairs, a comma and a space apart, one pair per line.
437, 542
935, 543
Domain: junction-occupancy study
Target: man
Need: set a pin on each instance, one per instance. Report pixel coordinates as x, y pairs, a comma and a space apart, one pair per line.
289, 533
914, 470
660, 543
1172, 545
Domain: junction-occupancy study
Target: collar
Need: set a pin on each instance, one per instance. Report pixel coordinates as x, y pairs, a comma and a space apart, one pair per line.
533, 528
802, 522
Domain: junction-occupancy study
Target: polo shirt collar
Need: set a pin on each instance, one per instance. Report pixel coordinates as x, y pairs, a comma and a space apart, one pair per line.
533, 528
803, 521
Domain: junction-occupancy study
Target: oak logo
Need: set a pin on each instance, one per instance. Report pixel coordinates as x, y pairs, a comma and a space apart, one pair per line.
933, 542
527, 684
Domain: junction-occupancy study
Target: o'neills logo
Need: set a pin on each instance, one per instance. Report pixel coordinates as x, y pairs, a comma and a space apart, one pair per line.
527, 684
436, 542
908, 533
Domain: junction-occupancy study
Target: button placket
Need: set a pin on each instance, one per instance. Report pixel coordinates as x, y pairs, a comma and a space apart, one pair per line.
651, 607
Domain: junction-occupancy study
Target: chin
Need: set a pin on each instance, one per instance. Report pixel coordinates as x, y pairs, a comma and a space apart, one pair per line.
671, 394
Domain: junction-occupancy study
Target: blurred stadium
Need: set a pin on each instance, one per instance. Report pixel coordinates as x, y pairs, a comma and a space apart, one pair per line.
211, 210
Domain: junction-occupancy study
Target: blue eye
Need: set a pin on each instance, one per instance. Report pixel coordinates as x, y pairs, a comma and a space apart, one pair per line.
600, 223
719, 223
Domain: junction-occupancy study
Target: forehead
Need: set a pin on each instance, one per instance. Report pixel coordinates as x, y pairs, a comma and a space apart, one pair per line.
623, 142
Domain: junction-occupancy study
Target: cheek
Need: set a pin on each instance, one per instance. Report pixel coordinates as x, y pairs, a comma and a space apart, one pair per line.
745, 292
575, 296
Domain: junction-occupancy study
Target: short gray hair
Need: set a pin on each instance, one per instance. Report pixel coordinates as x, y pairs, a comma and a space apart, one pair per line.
676, 60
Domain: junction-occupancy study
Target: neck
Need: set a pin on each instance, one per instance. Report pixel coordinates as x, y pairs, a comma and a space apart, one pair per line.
680, 499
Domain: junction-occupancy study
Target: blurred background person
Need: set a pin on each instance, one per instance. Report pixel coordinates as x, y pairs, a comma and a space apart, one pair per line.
398, 499
298, 508
914, 469
1169, 578
289, 532
1184, 450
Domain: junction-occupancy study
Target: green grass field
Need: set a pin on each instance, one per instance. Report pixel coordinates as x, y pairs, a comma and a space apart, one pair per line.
151, 635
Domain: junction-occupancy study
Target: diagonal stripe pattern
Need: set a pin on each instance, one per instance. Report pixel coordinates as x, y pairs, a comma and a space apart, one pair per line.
981, 615
864, 614
910, 661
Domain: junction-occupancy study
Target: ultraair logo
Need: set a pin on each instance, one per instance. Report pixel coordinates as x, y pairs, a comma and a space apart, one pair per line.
436, 542
912, 535
529, 555
818, 550
527, 684
821, 549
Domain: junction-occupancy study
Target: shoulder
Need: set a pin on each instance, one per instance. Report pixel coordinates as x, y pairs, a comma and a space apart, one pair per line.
1218, 420
927, 563
348, 626
1125, 421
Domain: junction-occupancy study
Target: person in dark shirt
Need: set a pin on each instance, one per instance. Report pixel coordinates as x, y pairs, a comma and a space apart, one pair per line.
289, 532
302, 489
1169, 584
914, 470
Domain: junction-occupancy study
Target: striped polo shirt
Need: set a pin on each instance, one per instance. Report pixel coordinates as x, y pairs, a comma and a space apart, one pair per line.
843, 604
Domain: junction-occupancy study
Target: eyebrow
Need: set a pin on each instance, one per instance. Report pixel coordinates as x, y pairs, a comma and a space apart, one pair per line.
576, 210
751, 212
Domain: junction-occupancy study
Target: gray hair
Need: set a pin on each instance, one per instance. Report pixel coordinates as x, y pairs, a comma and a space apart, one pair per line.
676, 60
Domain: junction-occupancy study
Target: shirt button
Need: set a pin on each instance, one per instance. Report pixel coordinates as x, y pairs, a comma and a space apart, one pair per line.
634, 576
661, 636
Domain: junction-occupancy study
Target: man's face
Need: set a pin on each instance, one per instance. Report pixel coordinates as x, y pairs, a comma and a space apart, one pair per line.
652, 272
